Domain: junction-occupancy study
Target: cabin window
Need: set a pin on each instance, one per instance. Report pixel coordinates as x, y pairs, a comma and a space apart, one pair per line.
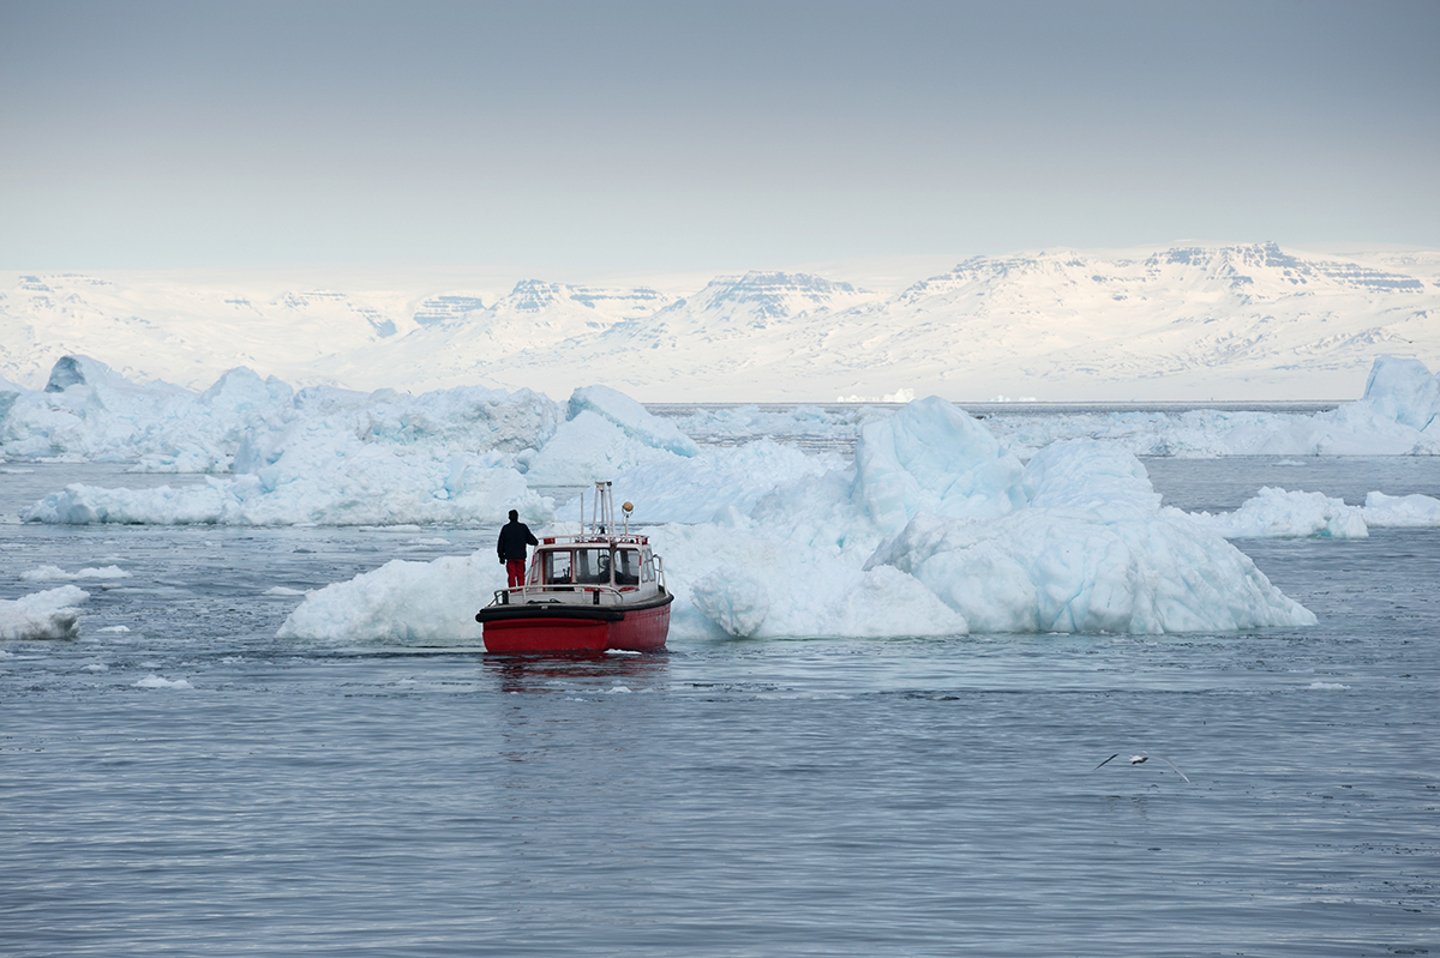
627, 567
647, 571
557, 567
592, 566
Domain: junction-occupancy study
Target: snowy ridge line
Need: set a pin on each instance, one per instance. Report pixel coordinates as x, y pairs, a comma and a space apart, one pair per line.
1179, 322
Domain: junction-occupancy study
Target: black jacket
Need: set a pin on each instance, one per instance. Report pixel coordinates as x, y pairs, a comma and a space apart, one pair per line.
513, 538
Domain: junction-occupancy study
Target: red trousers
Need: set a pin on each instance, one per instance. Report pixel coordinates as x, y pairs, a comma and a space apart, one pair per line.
515, 572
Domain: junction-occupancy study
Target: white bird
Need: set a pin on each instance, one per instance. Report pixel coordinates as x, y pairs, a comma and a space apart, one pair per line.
1140, 758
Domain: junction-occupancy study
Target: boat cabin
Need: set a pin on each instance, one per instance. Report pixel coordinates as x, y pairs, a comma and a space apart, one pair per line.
623, 563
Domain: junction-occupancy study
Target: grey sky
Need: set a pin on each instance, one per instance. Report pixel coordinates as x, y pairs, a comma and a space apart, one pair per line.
576, 138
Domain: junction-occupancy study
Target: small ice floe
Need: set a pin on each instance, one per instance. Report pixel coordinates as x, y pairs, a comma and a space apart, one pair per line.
52, 573
114, 629
153, 681
1282, 513
617, 690
283, 590
1412, 511
430, 542
1140, 758
96, 667
1319, 686
43, 615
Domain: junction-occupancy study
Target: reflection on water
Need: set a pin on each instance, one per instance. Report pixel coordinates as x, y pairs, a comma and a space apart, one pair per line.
579, 672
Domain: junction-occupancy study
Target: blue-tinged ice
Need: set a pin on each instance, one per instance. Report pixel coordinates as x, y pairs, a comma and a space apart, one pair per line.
631, 418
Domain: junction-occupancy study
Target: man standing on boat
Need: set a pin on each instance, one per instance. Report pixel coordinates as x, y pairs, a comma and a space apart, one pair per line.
514, 537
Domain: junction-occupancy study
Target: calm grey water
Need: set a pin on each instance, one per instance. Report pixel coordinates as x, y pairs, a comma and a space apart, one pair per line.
822, 797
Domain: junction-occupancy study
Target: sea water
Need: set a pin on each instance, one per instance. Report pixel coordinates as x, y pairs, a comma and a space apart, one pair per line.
179, 781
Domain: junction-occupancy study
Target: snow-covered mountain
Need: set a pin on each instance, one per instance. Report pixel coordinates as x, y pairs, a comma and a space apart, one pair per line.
1181, 322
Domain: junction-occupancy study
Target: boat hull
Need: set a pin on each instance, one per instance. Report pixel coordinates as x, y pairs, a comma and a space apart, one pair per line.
521, 629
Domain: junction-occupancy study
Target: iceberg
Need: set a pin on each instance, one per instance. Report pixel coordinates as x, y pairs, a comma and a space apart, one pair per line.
51, 614
326, 456
1092, 551
1412, 511
934, 530
1279, 513
1403, 390
631, 418
432, 602
317, 456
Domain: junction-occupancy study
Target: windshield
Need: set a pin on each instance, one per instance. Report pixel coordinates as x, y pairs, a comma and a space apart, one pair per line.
592, 566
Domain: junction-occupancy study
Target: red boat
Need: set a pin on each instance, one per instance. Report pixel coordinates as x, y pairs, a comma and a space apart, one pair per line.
586, 593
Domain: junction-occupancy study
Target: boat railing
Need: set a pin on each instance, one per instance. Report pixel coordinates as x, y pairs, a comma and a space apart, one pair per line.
611, 595
591, 538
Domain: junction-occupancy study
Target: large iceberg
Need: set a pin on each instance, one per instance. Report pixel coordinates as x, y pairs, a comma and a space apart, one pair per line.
934, 529
1092, 550
51, 614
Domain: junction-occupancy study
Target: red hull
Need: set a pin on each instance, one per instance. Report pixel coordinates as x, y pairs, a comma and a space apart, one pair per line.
639, 630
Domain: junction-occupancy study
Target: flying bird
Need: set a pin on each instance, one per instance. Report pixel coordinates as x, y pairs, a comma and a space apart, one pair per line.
1140, 758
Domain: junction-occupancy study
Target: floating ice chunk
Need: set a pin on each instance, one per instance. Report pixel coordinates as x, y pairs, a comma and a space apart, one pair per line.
1414, 511
114, 629
1278, 513
50, 573
1403, 390
160, 682
43, 615
633, 419
404, 601
1041, 571
1319, 686
933, 457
